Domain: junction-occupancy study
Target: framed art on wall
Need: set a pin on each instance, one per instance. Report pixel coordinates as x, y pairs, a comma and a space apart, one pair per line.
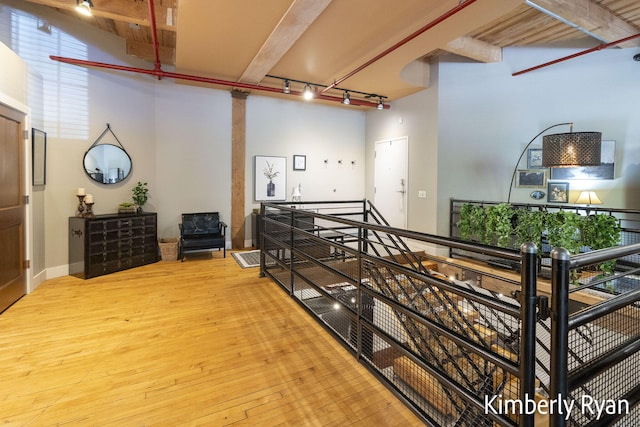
531, 178
558, 192
534, 158
38, 157
270, 174
299, 162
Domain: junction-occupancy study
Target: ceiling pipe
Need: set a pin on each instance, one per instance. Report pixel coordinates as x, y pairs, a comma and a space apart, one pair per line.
160, 74
154, 35
402, 42
575, 55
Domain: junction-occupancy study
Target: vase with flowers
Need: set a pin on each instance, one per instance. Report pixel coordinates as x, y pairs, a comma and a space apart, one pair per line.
270, 173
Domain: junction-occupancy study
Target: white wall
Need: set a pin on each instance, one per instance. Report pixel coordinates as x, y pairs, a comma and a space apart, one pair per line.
192, 156
484, 118
487, 116
280, 127
416, 117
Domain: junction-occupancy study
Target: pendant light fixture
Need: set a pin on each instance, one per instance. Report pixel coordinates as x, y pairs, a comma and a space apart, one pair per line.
571, 149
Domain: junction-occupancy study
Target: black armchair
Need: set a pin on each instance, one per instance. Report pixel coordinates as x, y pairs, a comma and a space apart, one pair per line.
201, 232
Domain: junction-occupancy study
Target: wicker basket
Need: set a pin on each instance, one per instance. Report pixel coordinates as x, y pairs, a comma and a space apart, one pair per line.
168, 249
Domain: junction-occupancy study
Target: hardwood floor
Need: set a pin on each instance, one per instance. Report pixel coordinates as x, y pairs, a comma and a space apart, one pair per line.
202, 342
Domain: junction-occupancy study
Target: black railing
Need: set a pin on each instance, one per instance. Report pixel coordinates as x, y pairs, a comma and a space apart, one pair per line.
601, 381
461, 342
446, 346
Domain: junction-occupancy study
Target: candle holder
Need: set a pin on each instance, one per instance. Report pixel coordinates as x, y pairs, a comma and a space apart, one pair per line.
89, 212
80, 205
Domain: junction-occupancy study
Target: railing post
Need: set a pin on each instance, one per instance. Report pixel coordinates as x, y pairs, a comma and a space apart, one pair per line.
291, 241
528, 302
260, 239
558, 387
364, 234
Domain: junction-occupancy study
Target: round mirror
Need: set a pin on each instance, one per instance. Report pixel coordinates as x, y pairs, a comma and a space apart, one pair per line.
107, 163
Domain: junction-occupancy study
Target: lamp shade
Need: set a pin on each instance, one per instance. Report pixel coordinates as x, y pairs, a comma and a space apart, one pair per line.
571, 149
588, 198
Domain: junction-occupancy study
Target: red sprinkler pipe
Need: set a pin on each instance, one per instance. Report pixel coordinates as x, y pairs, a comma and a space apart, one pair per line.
575, 55
402, 42
154, 35
160, 74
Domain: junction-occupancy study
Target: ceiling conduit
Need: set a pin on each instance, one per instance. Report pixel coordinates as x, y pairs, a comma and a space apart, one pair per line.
402, 42
575, 55
159, 73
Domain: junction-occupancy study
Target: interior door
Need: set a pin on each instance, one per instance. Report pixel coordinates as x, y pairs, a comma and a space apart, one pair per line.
391, 180
12, 210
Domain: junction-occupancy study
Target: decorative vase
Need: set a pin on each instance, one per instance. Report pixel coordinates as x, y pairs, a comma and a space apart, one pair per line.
271, 189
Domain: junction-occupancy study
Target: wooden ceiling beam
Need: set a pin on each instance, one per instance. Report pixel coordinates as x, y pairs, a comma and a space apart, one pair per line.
474, 49
593, 18
131, 12
293, 24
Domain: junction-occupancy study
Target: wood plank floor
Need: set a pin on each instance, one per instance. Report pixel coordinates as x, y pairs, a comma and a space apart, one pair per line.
202, 342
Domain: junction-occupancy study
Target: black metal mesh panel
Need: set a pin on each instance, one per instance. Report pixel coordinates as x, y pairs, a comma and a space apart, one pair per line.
431, 330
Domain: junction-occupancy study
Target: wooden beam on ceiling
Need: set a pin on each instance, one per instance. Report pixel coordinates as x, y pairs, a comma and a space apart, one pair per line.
293, 24
593, 18
474, 49
131, 12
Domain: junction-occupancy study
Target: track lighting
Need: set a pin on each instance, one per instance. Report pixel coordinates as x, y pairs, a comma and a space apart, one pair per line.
84, 7
308, 93
311, 90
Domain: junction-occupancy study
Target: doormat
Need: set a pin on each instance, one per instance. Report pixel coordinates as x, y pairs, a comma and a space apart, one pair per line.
247, 259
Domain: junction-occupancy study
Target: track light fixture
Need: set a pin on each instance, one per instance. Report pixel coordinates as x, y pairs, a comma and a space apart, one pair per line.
312, 90
84, 7
308, 93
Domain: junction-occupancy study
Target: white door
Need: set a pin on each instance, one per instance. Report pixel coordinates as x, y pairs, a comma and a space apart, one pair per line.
391, 181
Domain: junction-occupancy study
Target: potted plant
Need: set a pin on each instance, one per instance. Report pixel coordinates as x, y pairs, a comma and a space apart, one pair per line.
140, 195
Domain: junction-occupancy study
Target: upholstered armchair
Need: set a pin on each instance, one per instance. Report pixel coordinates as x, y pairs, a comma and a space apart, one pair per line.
201, 232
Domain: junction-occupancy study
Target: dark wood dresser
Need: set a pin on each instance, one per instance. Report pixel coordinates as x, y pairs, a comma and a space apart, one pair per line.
109, 243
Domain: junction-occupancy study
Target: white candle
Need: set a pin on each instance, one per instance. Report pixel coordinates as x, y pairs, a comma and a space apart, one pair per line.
81, 191
88, 198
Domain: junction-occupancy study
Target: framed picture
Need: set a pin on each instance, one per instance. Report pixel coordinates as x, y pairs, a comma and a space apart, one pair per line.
38, 157
558, 192
299, 162
534, 158
270, 174
531, 178
605, 170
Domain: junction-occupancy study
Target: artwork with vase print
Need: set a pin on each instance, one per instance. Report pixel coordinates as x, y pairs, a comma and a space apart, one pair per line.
270, 174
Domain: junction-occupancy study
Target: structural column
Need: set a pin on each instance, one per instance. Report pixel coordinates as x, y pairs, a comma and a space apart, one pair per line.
238, 154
